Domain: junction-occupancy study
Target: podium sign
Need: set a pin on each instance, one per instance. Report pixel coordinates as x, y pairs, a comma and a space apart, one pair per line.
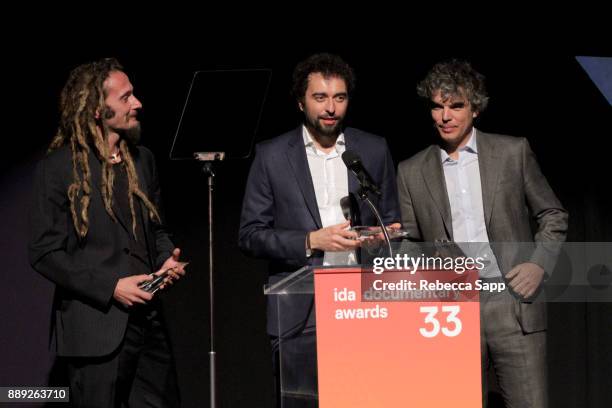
390, 348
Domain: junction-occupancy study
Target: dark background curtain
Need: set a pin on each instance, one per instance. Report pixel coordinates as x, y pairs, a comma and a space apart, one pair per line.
536, 92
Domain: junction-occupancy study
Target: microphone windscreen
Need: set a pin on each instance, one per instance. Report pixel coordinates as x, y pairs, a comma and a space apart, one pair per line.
350, 159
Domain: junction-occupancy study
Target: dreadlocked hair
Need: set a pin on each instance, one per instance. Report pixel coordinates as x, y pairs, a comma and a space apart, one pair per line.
80, 99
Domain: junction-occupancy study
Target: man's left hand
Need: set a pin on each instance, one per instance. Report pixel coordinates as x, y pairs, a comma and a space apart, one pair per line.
380, 236
373, 242
525, 278
177, 268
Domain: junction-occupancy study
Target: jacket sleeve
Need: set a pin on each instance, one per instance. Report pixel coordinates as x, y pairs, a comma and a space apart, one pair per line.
258, 234
163, 242
409, 221
549, 214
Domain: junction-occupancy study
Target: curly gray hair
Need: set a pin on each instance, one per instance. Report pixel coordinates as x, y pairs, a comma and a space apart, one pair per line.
454, 78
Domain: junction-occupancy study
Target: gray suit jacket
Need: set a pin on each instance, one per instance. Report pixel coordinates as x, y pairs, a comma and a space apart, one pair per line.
514, 192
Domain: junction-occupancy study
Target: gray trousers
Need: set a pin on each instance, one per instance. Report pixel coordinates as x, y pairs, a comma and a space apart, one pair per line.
519, 358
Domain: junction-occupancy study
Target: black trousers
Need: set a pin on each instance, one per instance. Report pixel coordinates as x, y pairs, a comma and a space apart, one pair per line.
140, 373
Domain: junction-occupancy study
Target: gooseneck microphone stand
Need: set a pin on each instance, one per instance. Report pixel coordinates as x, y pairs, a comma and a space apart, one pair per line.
363, 194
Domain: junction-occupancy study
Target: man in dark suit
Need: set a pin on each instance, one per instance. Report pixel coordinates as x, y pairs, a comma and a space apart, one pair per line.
97, 233
485, 188
291, 211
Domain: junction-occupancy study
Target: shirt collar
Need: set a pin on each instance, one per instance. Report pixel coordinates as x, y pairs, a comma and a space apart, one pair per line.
309, 142
471, 146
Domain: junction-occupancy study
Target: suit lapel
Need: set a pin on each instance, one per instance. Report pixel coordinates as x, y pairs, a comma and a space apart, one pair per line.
433, 175
487, 159
143, 184
296, 155
352, 143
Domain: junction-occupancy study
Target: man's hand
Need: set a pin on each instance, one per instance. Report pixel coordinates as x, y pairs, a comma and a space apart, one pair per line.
373, 242
525, 278
127, 291
177, 268
394, 226
334, 238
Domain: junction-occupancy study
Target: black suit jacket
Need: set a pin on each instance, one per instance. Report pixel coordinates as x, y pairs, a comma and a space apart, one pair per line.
280, 207
88, 321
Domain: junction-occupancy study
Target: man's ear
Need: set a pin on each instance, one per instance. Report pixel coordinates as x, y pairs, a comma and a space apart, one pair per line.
301, 105
104, 113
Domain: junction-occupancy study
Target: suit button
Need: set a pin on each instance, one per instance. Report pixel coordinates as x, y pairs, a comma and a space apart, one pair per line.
126, 250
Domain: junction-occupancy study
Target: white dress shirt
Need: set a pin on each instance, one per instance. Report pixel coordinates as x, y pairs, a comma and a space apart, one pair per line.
330, 180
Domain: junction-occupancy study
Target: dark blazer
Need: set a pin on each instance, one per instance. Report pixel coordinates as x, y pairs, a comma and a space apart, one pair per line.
280, 205
88, 321
514, 192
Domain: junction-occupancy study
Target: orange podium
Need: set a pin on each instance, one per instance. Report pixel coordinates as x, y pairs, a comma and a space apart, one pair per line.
382, 341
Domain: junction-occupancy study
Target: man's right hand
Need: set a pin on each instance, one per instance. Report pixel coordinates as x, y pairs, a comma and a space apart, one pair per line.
127, 291
334, 238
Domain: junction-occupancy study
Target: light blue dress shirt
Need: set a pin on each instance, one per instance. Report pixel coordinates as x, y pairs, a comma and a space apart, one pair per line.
464, 189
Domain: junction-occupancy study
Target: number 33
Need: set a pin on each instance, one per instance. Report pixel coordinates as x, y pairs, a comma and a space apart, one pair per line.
431, 311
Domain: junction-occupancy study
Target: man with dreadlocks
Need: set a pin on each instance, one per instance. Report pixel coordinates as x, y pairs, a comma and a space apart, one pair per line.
97, 233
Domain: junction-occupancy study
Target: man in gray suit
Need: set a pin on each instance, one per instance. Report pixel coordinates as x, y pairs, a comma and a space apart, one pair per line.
476, 187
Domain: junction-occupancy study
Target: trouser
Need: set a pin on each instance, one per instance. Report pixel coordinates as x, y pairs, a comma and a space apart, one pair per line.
295, 360
140, 373
519, 358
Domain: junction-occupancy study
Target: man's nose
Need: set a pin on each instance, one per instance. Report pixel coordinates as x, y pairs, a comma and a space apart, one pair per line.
446, 114
136, 103
331, 106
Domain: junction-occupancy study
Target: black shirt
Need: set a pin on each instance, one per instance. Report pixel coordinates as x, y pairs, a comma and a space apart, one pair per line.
140, 261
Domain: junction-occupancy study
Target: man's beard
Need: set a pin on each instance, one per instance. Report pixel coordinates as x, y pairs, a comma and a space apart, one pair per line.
131, 135
328, 132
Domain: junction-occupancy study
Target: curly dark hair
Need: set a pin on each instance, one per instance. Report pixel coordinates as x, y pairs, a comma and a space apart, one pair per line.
83, 95
453, 78
328, 65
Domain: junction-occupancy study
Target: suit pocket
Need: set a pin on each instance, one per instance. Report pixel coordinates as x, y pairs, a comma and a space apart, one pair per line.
532, 316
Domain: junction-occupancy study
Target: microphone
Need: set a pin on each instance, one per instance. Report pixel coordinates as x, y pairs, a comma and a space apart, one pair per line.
345, 204
354, 164
350, 209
